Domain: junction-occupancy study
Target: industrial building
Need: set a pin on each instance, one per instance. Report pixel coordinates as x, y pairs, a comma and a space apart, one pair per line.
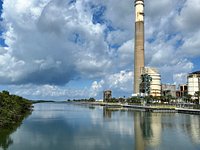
141, 73
193, 80
139, 44
168, 90
147, 81
182, 90
155, 82
107, 95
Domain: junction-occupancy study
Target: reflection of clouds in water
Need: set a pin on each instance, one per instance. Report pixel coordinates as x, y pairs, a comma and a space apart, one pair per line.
187, 125
31, 138
73, 131
48, 111
67, 131
96, 116
56, 111
64, 126
195, 129
91, 143
152, 129
72, 136
122, 124
185, 129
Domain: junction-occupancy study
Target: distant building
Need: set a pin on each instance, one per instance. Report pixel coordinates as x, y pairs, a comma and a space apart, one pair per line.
168, 89
183, 90
107, 95
193, 80
155, 83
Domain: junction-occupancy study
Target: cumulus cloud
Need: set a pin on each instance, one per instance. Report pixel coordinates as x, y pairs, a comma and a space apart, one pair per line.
49, 92
186, 20
50, 42
56, 41
187, 23
125, 53
172, 38
120, 83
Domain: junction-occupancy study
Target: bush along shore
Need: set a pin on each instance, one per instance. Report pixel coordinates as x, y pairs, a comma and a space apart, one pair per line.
13, 109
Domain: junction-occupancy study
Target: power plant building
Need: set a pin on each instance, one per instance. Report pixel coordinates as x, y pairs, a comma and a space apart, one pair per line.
182, 90
141, 72
193, 80
107, 95
168, 90
139, 44
155, 84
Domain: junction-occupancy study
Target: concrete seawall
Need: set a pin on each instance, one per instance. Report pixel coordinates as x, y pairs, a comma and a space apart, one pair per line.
161, 109
188, 111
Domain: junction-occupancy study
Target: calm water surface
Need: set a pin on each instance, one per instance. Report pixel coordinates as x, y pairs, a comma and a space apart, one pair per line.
76, 127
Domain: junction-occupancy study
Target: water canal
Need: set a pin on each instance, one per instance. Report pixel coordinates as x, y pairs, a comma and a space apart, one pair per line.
76, 127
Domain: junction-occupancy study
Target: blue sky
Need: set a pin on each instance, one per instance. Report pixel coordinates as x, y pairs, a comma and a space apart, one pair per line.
1, 29
64, 49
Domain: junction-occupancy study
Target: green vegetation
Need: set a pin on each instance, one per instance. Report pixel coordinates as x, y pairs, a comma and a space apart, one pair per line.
160, 101
91, 99
197, 107
197, 95
12, 109
42, 101
5, 138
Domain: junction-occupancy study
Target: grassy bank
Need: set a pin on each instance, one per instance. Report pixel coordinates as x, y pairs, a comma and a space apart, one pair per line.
12, 109
197, 107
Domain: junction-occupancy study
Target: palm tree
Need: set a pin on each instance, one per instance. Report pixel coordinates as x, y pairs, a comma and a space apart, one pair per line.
197, 94
188, 98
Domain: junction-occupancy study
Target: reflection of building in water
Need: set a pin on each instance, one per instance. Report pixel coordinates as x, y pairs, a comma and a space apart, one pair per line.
107, 95
107, 113
195, 126
147, 130
156, 129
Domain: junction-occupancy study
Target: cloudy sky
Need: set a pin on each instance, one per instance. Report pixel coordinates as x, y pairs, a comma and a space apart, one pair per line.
60, 49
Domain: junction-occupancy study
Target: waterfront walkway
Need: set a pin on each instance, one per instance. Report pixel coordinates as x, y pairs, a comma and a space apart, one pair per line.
153, 108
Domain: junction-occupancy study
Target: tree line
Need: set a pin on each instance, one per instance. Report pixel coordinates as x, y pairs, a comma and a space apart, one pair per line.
13, 109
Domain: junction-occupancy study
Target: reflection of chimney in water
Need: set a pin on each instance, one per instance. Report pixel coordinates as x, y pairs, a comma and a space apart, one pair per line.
139, 139
147, 128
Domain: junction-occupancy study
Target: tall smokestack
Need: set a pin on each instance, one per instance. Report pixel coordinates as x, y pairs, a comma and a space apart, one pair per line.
139, 43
